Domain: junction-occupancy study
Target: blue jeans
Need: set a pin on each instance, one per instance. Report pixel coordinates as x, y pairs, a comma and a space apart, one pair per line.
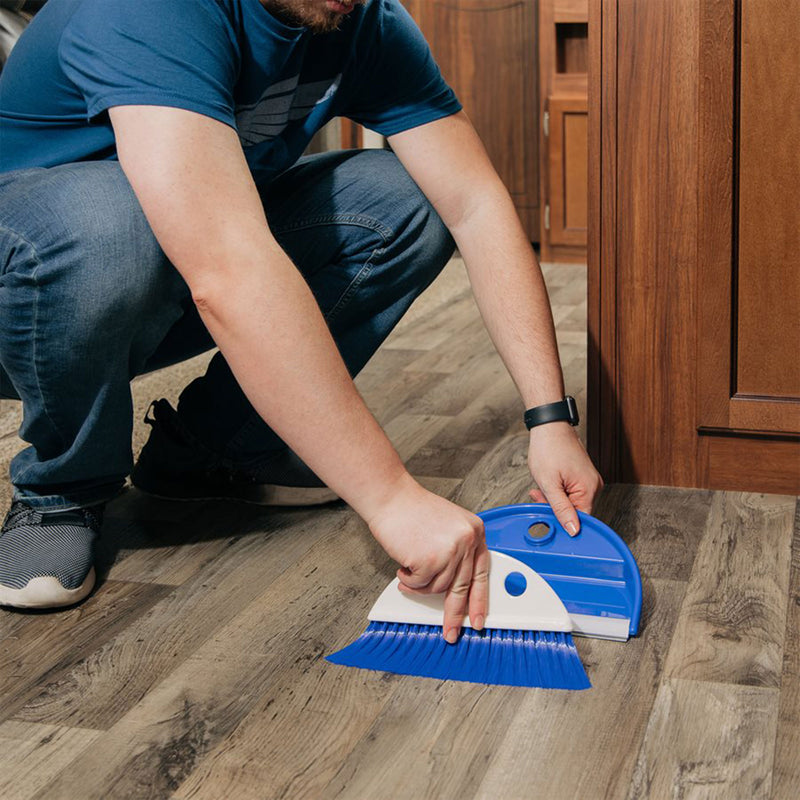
88, 300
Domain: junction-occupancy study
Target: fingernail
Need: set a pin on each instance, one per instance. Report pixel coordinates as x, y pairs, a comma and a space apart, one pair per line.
478, 625
451, 636
573, 530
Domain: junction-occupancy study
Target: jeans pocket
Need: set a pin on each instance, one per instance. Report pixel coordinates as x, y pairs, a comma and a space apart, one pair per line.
352, 288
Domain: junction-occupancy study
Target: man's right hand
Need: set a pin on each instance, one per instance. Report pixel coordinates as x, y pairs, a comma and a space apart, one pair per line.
441, 547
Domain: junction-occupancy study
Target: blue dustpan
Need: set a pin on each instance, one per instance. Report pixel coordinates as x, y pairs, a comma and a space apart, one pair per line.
544, 585
593, 573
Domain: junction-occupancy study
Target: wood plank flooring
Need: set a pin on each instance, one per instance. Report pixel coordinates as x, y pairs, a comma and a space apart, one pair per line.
196, 669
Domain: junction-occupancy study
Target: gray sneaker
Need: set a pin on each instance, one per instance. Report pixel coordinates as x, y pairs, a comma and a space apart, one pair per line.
47, 558
176, 466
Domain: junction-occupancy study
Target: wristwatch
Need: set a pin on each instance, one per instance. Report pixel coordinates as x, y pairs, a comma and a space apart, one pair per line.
565, 410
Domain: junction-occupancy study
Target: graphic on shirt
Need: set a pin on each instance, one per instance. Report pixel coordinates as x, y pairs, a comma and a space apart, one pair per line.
282, 103
229, 60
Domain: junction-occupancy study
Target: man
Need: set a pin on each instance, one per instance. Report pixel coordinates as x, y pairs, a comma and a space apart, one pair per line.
152, 206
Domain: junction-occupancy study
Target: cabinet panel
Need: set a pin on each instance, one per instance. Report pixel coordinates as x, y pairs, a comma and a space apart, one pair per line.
567, 170
768, 264
563, 65
486, 50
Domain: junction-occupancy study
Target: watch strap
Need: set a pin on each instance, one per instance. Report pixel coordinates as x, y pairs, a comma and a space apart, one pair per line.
565, 410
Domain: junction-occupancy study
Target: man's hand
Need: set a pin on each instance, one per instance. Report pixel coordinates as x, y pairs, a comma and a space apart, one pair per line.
441, 548
564, 473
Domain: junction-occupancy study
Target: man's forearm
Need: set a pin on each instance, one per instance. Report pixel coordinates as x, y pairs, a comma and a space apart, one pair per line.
273, 335
448, 161
511, 294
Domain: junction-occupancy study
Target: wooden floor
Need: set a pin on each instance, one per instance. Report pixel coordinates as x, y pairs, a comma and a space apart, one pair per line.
196, 669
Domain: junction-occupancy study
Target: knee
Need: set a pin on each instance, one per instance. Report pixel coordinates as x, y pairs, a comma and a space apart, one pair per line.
415, 223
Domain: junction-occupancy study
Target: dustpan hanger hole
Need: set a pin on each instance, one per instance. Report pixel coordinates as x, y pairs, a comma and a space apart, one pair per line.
539, 533
516, 583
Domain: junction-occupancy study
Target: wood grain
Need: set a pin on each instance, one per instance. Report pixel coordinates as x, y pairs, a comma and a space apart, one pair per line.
150, 750
733, 620
563, 55
30, 755
471, 433
425, 728
774, 469
603, 435
103, 685
467, 343
786, 777
324, 713
768, 325
38, 648
433, 329
583, 744
657, 238
707, 740
500, 477
663, 527
567, 170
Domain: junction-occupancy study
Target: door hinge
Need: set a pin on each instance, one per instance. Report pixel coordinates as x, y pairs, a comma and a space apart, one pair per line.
546, 123
547, 217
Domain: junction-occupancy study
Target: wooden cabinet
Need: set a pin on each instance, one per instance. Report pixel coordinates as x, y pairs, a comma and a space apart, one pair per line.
694, 265
563, 87
749, 345
564, 236
486, 50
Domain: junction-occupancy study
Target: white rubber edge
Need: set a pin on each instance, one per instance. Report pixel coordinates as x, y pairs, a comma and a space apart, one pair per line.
595, 627
538, 608
46, 592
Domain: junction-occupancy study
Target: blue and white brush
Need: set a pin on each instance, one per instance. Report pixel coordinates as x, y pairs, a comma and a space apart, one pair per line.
526, 641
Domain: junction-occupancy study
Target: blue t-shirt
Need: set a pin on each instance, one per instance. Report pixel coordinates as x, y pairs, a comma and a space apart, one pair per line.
231, 60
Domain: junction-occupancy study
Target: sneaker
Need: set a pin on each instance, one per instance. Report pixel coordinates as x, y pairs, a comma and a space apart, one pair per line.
46, 558
175, 465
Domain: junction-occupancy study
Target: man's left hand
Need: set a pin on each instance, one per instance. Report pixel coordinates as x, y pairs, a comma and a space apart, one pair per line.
564, 473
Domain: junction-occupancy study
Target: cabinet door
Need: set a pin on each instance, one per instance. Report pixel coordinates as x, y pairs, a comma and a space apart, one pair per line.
567, 164
694, 274
486, 50
749, 292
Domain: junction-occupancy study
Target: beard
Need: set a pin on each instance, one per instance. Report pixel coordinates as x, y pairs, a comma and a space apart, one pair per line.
311, 14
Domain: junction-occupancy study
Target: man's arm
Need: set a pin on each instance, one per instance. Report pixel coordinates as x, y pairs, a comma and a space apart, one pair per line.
449, 163
191, 178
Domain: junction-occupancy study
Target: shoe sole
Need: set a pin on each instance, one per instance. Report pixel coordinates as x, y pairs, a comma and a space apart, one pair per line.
46, 592
258, 494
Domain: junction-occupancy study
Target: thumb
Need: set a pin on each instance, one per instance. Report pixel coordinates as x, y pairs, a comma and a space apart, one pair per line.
564, 510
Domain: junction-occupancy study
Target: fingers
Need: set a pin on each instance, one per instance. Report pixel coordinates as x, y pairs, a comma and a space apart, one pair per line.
435, 585
457, 597
414, 579
565, 474
479, 590
537, 496
582, 501
584, 495
465, 582
564, 502
563, 509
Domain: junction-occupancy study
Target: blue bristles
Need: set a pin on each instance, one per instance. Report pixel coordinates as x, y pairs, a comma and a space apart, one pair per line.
501, 657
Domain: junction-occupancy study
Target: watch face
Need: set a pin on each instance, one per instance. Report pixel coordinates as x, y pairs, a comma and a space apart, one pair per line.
572, 410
